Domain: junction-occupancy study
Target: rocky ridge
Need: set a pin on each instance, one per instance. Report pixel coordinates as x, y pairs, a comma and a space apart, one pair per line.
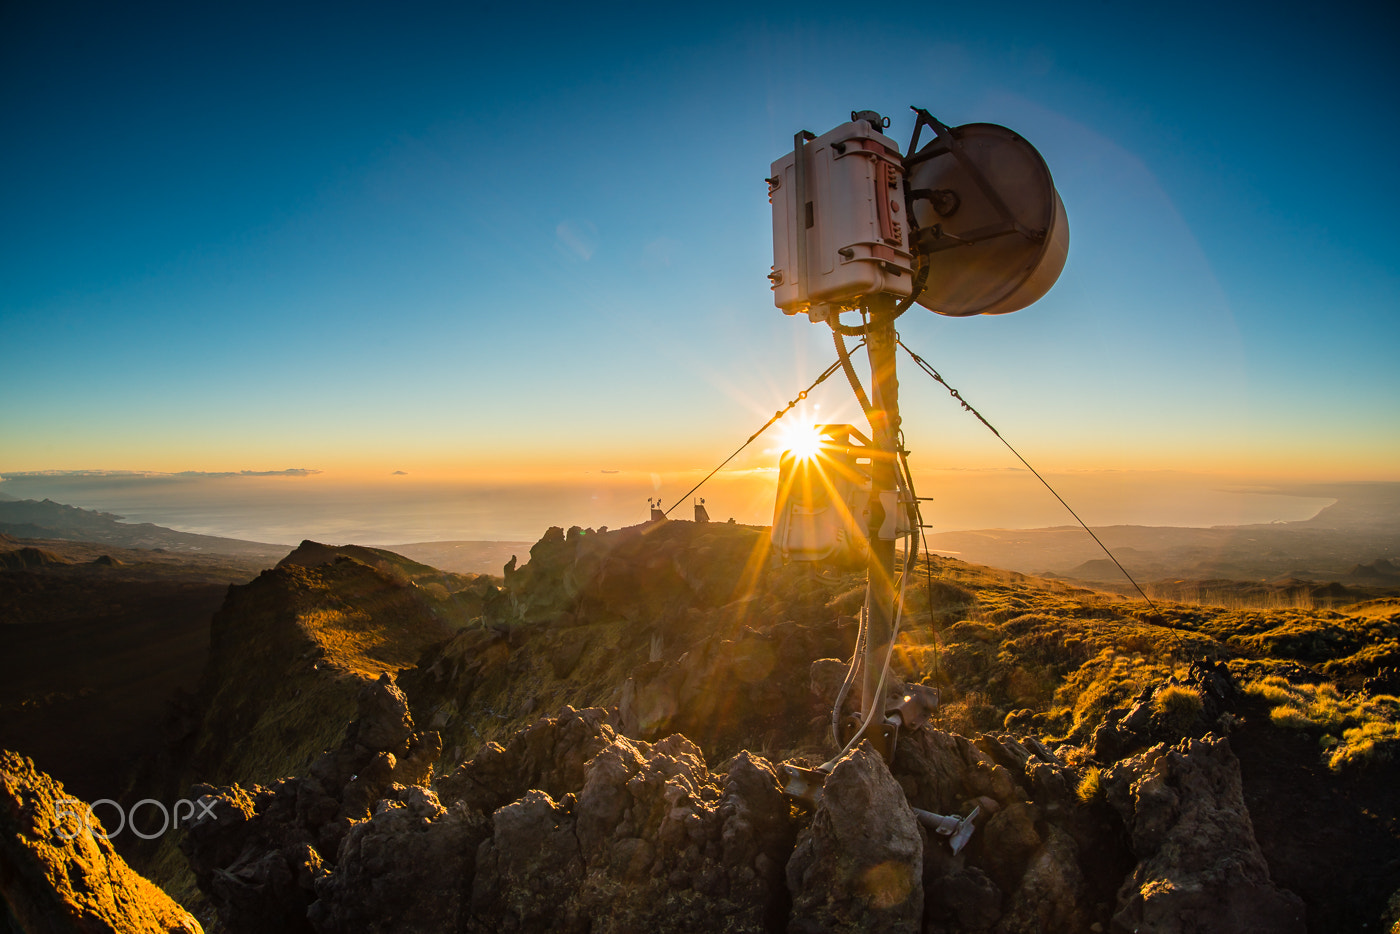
573, 826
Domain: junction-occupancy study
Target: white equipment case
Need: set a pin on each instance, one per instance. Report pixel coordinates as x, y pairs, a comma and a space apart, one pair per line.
853, 225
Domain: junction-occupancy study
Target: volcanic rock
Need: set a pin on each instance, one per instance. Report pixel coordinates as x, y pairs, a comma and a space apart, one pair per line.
1050, 895
964, 900
1200, 869
58, 871
941, 771
408, 868
528, 869
859, 866
259, 854
1009, 838
549, 755
646, 573
651, 841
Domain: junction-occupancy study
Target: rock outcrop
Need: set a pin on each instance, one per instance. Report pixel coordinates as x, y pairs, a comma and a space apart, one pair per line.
572, 826
549, 754
859, 865
408, 868
652, 841
1021, 871
260, 853
1200, 869
1208, 690
59, 872
650, 573
634, 836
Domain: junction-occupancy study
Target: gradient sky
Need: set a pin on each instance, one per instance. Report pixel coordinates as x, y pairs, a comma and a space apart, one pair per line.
527, 242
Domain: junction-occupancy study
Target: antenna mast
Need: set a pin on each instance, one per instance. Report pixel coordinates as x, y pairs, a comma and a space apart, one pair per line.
968, 224
885, 507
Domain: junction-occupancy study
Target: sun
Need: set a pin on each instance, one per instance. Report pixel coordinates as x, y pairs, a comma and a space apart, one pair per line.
801, 439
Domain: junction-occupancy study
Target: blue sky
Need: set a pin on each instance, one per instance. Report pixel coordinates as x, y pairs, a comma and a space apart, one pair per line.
531, 241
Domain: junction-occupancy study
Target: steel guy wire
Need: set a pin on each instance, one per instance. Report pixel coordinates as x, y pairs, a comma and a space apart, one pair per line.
766, 425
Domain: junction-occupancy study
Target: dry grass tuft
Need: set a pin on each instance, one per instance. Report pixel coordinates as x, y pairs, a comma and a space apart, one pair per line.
1370, 742
1355, 730
1089, 786
1178, 705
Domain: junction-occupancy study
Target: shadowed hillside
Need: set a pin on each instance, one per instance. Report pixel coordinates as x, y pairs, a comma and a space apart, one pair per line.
95, 641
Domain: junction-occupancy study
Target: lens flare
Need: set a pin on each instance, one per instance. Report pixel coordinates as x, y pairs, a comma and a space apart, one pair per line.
801, 439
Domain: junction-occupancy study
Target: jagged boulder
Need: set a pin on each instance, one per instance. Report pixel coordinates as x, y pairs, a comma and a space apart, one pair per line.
1050, 894
961, 901
252, 859
549, 755
652, 841
529, 870
941, 772
1009, 839
1199, 867
859, 865
58, 871
1021, 870
408, 868
260, 853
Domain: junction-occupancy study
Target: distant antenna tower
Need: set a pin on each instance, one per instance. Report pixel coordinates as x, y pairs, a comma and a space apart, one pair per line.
968, 224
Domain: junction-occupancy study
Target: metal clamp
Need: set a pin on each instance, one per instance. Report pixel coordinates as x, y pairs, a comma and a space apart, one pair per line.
805, 785
958, 830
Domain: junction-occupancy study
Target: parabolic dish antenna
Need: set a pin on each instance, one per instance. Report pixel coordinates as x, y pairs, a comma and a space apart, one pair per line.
992, 228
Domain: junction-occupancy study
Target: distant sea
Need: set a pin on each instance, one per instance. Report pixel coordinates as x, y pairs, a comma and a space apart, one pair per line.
399, 510
285, 510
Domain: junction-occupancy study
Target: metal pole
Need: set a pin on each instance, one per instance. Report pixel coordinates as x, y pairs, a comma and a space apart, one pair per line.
884, 500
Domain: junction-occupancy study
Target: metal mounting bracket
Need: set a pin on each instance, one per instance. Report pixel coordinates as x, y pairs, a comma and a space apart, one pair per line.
958, 830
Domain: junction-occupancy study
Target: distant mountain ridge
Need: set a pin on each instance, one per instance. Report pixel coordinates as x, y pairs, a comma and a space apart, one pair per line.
45, 519
1362, 527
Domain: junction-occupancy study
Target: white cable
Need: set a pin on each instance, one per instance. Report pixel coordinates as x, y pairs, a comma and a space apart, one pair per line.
878, 701
857, 658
